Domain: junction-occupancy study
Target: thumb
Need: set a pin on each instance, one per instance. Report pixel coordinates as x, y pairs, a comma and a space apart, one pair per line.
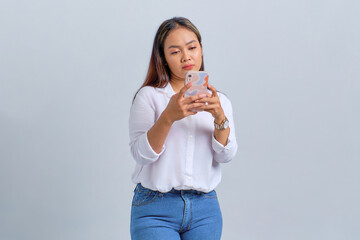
184, 88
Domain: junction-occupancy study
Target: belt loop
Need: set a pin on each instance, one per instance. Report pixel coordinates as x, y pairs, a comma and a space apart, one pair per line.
136, 187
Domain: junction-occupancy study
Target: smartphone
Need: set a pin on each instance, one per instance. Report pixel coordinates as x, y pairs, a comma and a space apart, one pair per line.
199, 80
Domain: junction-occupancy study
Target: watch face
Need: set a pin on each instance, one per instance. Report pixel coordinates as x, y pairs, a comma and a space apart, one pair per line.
223, 125
226, 124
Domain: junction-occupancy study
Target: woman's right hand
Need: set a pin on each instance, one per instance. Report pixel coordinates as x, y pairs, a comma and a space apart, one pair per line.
177, 108
180, 107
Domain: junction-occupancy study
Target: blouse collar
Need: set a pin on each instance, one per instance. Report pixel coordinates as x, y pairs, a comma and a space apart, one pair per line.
167, 90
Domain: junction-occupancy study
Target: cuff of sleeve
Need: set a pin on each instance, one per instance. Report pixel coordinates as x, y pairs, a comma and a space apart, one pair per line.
218, 147
146, 149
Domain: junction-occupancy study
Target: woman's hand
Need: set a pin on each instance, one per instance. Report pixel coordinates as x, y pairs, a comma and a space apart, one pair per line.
177, 108
211, 104
180, 107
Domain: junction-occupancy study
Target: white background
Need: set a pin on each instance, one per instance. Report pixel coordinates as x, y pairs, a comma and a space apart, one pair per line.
68, 73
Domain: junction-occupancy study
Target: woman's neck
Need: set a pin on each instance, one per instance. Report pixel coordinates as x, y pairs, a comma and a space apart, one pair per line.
177, 83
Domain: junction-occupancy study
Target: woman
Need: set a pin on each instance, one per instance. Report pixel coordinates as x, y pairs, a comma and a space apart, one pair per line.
178, 143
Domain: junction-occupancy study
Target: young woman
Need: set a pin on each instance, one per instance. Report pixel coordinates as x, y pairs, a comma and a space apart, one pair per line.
178, 143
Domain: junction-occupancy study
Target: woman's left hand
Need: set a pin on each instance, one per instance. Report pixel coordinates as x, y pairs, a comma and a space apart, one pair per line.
212, 105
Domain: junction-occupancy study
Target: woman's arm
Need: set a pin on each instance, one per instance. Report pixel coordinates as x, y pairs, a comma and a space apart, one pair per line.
213, 106
224, 141
177, 108
221, 135
158, 133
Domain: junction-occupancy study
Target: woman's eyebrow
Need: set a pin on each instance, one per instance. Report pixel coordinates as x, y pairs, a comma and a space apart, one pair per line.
177, 46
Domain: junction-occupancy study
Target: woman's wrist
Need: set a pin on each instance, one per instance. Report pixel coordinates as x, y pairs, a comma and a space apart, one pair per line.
166, 119
219, 119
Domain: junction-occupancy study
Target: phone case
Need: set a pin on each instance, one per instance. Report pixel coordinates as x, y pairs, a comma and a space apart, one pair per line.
199, 81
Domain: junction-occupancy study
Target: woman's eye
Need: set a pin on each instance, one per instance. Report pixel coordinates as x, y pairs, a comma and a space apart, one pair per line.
173, 53
191, 48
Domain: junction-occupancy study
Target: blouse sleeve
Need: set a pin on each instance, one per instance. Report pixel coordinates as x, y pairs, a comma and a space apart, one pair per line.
224, 154
142, 118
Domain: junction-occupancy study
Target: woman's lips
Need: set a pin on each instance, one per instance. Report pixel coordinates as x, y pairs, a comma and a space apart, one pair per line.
187, 67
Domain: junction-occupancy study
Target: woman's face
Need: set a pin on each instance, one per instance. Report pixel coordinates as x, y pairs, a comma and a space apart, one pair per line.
182, 51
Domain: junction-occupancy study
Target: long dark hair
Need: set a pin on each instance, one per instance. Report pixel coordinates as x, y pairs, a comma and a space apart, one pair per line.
159, 73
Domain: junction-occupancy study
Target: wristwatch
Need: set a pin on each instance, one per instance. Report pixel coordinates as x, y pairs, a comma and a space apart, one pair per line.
223, 125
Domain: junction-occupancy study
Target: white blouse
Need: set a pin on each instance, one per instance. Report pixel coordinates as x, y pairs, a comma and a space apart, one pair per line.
190, 157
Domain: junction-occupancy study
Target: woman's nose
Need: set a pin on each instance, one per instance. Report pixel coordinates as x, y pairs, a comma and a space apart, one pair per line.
185, 56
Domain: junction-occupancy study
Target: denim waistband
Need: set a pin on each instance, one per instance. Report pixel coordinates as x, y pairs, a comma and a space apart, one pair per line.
173, 190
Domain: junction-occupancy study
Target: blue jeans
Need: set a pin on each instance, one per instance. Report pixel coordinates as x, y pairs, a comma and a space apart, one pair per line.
184, 214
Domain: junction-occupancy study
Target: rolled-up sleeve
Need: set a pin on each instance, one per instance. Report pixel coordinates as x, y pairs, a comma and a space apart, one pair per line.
224, 154
142, 118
